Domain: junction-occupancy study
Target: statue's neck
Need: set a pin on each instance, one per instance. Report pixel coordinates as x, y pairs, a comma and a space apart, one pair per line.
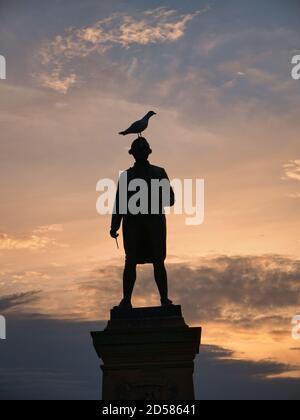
142, 162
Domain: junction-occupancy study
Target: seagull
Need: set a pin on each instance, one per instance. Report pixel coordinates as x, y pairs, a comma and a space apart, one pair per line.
139, 126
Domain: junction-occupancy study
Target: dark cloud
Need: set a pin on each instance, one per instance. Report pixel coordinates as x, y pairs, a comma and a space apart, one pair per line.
260, 369
245, 291
222, 377
57, 361
18, 299
260, 283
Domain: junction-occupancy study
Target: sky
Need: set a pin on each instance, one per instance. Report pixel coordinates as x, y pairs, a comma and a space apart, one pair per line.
218, 74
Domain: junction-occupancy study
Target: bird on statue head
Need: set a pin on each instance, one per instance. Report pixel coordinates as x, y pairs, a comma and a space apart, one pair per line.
139, 126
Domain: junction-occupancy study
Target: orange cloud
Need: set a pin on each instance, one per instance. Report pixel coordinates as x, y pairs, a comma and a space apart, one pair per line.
292, 170
150, 27
53, 81
37, 240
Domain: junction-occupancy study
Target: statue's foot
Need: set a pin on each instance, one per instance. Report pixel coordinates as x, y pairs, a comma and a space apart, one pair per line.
166, 302
126, 304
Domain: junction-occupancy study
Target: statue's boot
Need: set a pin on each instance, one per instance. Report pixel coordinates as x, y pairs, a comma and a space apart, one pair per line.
126, 304
166, 302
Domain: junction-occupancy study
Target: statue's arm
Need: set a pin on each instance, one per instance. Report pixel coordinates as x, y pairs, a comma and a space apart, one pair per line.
172, 194
116, 219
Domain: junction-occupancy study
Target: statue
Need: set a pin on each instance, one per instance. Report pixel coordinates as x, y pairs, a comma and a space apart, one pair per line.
144, 234
136, 344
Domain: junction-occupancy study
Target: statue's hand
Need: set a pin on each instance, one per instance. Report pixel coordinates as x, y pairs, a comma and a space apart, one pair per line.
114, 234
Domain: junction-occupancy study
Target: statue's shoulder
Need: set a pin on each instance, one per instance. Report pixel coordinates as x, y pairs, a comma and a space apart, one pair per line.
131, 173
157, 170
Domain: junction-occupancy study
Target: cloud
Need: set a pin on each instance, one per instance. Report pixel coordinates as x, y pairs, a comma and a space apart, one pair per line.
292, 170
27, 278
222, 376
37, 240
156, 26
32, 243
58, 362
49, 228
55, 82
254, 369
247, 293
244, 291
238, 290
18, 299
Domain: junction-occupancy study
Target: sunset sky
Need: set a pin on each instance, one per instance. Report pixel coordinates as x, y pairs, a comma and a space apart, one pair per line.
218, 73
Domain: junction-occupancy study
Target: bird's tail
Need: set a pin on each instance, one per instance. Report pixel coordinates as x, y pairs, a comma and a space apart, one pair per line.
123, 133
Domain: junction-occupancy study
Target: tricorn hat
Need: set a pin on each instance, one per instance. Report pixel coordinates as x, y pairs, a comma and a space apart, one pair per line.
140, 146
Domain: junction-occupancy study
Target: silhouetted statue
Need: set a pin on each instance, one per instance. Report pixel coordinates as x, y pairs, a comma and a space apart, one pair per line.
144, 233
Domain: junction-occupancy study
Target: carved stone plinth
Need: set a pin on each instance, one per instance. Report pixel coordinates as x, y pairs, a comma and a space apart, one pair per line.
147, 354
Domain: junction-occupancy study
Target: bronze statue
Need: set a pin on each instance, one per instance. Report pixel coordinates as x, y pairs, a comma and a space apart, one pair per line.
144, 234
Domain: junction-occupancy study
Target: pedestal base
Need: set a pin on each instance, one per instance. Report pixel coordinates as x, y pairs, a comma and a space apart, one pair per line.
147, 354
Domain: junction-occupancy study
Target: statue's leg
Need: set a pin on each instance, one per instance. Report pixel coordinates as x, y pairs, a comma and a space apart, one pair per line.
129, 279
161, 279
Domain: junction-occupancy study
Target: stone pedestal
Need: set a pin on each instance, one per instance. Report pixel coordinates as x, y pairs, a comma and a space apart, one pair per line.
147, 354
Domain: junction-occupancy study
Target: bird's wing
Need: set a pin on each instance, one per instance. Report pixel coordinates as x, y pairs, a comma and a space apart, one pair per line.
135, 127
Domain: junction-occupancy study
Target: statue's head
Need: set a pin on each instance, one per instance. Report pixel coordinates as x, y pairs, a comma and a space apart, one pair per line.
140, 149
